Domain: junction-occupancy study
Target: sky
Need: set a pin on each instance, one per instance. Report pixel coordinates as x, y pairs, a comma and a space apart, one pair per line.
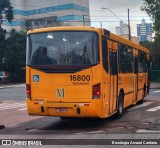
120, 9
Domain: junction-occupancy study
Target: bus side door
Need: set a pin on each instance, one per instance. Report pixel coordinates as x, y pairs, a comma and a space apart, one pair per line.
113, 76
135, 78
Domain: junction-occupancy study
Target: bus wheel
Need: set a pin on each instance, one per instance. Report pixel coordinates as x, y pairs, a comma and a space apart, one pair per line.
120, 106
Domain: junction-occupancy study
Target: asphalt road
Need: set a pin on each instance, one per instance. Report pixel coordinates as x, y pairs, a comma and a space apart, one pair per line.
138, 122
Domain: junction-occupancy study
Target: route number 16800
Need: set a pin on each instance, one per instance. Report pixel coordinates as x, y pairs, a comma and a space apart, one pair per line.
80, 77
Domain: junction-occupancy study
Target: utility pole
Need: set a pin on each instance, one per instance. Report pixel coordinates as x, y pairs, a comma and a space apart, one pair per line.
101, 24
83, 20
129, 28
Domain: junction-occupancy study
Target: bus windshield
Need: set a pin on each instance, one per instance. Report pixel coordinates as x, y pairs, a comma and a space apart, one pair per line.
66, 48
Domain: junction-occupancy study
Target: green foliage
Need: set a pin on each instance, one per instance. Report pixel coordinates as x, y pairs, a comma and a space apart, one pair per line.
6, 11
155, 74
14, 55
152, 7
2, 45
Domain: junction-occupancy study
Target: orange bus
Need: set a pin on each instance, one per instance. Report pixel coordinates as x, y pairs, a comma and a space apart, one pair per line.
83, 72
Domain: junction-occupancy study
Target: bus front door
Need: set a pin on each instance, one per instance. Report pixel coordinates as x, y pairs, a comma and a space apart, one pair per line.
135, 79
113, 81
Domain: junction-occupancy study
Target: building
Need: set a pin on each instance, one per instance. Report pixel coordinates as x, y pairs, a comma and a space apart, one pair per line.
144, 31
122, 29
29, 14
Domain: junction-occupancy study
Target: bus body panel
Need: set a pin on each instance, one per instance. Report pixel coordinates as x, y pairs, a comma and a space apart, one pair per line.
79, 96
125, 82
52, 85
82, 109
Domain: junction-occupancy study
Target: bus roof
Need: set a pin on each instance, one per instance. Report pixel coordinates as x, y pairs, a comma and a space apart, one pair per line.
85, 28
127, 42
81, 28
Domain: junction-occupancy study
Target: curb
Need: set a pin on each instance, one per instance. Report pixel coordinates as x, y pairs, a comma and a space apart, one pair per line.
2, 127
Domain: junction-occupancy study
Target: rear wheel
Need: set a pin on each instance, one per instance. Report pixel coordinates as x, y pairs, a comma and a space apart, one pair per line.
120, 106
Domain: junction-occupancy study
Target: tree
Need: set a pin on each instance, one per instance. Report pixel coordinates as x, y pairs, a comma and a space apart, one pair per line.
152, 7
14, 55
2, 45
6, 13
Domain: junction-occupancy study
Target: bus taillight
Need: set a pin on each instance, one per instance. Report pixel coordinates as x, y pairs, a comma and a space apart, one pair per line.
96, 91
28, 91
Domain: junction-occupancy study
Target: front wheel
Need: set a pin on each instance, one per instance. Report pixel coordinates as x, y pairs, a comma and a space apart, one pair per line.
120, 106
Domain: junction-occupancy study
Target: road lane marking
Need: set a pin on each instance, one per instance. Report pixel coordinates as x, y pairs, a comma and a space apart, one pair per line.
147, 131
14, 107
91, 132
2, 104
23, 109
6, 106
154, 109
13, 86
139, 106
157, 91
11, 105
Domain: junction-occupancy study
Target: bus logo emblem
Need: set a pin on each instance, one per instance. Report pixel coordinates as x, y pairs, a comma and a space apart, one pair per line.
60, 93
36, 78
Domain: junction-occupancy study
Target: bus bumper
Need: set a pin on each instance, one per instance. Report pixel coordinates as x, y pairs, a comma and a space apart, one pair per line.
60, 109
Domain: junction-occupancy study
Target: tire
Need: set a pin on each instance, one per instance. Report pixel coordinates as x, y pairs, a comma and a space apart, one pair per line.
120, 106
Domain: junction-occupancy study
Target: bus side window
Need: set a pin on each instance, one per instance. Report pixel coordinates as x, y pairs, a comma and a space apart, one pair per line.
105, 54
135, 65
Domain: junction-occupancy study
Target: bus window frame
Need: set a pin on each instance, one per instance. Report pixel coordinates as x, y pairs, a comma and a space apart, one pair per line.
38, 66
127, 62
105, 54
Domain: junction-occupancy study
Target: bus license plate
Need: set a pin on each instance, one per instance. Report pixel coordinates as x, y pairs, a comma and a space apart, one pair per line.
61, 110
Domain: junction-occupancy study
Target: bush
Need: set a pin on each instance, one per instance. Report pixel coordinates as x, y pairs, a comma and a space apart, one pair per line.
155, 74
14, 56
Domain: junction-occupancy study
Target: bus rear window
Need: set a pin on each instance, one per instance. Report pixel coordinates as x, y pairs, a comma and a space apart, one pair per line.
66, 48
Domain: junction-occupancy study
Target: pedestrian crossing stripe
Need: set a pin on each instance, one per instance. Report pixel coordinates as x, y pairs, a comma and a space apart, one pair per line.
157, 91
13, 86
139, 106
7, 106
153, 109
